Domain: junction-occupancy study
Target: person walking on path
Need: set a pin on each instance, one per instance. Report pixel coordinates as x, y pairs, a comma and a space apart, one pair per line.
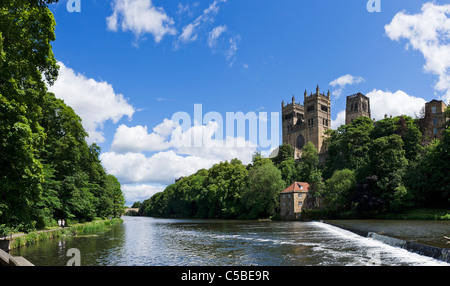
59, 222
63, 223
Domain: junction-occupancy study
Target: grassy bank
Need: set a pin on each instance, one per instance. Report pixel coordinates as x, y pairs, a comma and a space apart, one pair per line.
24, 240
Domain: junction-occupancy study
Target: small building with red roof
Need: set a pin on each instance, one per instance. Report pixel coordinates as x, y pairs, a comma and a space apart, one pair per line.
294, 199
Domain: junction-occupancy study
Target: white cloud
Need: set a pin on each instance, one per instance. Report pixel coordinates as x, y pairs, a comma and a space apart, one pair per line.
127, 162
160, 168
429, 33
215, 34
186, 9
137, 139
139, 193
395, 104
387, 103
343, 81
166, 128
340, 120
231, 52
95, 102
189, 32
140, 17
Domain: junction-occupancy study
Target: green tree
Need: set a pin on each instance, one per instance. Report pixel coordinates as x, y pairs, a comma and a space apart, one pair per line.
348, 146
429, 180
308, 170
115, 195
406, 128
26, 30
309, 162
339, 190
261, 198
285, 153
387, 161
21, 173
289, 171
258, 160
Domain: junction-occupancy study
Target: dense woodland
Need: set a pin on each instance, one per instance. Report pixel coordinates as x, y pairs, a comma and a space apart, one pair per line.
47, 170
371, 168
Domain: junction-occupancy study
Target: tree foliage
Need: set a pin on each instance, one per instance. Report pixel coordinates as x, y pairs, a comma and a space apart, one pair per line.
261, 197
392, 166
47, 170
213, 193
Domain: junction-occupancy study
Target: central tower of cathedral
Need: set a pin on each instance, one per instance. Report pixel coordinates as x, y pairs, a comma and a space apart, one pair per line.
306, 123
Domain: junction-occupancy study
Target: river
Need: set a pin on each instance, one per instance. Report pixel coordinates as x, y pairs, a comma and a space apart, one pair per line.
146, 241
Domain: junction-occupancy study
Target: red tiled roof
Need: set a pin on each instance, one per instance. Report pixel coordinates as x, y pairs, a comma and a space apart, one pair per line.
297, 187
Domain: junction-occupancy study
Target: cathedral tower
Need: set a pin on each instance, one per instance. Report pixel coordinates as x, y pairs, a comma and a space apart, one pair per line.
358, 105
308, 122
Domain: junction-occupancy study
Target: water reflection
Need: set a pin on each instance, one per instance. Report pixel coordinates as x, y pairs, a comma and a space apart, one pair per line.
149, 241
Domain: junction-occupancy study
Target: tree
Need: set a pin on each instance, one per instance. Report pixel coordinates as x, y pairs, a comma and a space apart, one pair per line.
441, 178
261, 198
308, 170
348, 146
285, 153
114, 193
406, 128
47, 169
339, 190
26, 30
387, 161
309, 161
289, 171
258, 160
21, 173
429, 180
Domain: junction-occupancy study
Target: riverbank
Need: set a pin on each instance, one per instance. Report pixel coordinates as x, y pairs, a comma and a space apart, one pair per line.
20, 240
412, 214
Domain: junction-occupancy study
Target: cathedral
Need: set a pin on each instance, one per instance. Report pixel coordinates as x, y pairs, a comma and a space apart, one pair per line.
308, 122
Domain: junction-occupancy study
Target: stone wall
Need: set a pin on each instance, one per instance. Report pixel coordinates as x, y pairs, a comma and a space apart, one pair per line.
7, 260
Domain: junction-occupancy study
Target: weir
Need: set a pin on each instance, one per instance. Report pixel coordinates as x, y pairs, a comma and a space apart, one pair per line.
438, 253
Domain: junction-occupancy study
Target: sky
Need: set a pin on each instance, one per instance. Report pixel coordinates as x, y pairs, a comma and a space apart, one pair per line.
131, 69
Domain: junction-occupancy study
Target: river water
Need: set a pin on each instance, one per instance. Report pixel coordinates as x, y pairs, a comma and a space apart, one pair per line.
146, 241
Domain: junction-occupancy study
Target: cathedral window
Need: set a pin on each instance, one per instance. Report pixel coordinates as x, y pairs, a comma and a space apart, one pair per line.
435, 121
300, 142
433, 109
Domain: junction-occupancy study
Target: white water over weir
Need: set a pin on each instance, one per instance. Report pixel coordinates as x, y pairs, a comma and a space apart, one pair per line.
438, 253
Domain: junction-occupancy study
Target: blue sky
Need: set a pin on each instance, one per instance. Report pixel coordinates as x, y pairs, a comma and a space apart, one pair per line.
129, 65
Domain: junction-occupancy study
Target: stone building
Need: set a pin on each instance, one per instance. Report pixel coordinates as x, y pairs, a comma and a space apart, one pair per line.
435, 118
294, 199
306, 123
357, 105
